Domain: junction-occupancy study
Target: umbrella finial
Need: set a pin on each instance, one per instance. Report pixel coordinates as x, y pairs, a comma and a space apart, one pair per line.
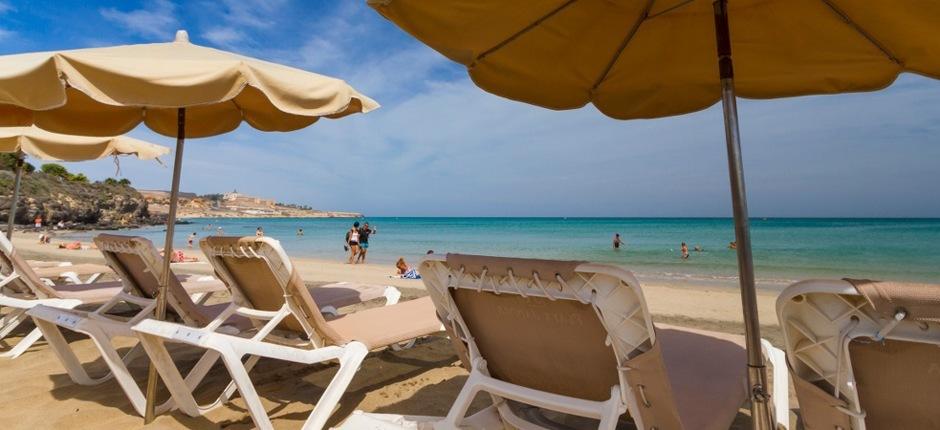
181, 36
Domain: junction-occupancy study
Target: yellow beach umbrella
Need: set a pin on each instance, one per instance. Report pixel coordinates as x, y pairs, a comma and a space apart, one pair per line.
41, 144
177, 89
649, 59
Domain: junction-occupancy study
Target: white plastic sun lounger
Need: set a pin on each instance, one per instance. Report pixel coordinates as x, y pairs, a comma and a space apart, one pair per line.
267, 289
139, 265
864, 354
576, 338
22, 287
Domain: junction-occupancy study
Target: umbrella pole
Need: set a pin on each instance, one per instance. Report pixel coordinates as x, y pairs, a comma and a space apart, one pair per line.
160, 312
761, 415
16, 194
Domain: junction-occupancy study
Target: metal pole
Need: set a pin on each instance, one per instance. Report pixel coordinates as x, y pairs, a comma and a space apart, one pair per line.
160, 312
761, 414
16, 194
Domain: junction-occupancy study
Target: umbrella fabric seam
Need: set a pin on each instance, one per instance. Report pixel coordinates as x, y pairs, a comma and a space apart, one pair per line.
524, 30
861, 31
623, 45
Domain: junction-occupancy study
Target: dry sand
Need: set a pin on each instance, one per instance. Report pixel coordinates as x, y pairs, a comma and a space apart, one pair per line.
424, 380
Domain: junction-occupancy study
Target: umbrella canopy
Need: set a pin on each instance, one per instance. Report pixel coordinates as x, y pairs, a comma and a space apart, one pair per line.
649, 59
109, 91
38, 143
48, 146
176, 89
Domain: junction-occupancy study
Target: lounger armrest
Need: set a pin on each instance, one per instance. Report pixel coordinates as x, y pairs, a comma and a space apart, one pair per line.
781, 388
257, 314
28, 304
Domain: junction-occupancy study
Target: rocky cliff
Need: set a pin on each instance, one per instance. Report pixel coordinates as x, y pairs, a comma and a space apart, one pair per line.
109, 204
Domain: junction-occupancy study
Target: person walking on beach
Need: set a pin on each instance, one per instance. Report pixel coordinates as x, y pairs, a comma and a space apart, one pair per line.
364, 233
38, 222
617, 242
352, 241
259, 232
189, 242
684, 249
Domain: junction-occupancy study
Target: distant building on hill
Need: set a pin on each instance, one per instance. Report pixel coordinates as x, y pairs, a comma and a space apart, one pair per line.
236, 200
161, 195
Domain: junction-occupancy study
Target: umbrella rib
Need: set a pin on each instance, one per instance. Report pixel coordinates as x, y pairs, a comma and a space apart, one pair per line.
524, 30
858, 29
623, 44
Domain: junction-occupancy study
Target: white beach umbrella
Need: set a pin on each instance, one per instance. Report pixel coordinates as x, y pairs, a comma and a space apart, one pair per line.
48, 146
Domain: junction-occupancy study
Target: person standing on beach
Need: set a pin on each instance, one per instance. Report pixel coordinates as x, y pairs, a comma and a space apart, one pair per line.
364, 233
684, 249
38, 222
617, 241
189, 242
352, 242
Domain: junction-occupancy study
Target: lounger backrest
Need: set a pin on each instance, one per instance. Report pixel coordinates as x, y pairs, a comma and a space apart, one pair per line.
140, 266
261, 276
543, 324
27, 282
844, 371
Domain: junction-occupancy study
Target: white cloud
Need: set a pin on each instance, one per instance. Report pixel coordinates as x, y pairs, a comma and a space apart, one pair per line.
252, 13
223, 36
157, 21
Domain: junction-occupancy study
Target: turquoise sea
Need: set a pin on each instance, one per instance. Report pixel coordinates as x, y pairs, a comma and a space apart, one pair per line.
784, 249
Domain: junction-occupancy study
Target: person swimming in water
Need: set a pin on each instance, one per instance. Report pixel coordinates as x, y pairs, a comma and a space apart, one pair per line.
618, 241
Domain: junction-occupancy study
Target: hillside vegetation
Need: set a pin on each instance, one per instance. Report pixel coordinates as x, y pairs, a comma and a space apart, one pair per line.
55, 194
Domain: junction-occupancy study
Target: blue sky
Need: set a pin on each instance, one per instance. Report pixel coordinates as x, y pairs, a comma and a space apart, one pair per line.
441, 146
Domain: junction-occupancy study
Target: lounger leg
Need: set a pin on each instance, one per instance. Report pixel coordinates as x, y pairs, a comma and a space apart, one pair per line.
180, 389
611, 412
68, 359
781, 389
11, 321
241, 379
118, 369
353, 354
459, 409
24, 344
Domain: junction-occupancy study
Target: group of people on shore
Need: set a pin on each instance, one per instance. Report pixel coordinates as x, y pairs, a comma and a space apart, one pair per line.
357, 242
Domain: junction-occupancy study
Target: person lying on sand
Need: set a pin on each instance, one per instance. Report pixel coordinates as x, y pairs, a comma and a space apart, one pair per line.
179, 257
405, 271
71, 245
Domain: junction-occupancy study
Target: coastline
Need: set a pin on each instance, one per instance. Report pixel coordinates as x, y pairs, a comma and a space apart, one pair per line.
671, 299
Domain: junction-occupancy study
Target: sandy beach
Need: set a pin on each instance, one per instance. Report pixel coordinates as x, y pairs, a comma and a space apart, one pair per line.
423, 380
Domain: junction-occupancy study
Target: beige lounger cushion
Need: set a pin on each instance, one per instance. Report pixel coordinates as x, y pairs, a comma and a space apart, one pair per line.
898, 383
524, 339
818, 407
700, 364
98, 292
345, 294
388, 325
79, 269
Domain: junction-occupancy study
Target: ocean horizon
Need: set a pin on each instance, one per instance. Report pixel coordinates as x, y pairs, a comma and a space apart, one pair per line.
785, 249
